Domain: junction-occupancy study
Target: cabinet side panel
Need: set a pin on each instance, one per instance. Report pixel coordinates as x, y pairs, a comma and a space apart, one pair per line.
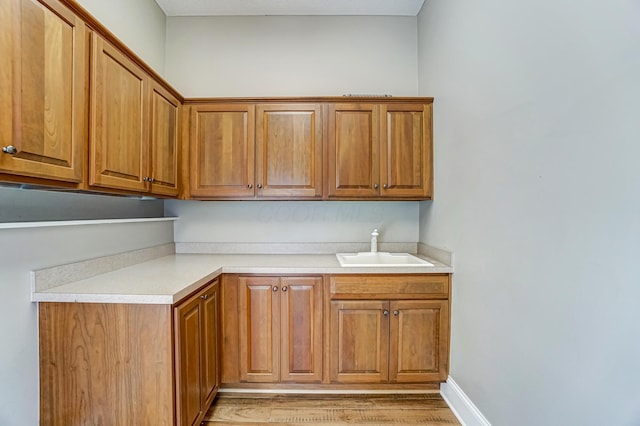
105, 364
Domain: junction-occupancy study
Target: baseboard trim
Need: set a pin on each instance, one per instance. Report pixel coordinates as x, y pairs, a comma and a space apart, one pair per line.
463, 408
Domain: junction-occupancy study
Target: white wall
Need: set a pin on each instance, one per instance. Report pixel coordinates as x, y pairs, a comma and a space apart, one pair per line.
24, 250
292, 55
293, 222
537, 190
140, 24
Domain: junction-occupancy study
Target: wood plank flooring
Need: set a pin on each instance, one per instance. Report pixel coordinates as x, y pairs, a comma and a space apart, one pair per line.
293, 410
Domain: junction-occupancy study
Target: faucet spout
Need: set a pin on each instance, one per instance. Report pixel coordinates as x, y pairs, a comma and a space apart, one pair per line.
374, 241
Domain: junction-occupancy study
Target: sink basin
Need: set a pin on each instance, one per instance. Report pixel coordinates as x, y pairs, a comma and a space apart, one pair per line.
369, 259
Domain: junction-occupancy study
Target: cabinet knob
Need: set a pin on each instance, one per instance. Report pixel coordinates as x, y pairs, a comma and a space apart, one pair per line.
396, 313
204, 297
275, 288
10, 149
375, 186
250, 186
385, 186
385, 312
146, 179
152, 180
285, 288
259, 186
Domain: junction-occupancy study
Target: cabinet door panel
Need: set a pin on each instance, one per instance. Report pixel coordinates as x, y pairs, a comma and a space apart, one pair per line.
188, 361
259, 307
359, 339
43, 90
164, 141
301, 335
405, 169
419, 341
210, 343
353, 145
222, 151
289, 150
119, 123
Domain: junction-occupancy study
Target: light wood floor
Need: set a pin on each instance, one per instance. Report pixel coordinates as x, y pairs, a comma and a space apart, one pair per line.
243, 409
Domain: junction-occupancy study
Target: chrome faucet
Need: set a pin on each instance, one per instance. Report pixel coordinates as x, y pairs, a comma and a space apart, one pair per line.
374, 241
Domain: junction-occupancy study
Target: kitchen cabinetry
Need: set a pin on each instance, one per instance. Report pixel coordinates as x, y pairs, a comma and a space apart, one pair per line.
246, 151
42, 90
197, 354
133, 126
279, 329
380, 150
389, 329
129, 364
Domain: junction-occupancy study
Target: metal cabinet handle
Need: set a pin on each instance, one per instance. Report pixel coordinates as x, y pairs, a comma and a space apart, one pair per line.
385, 186
396, 313
152, 180
10, 149
375, 186
275, 288
385, 312
259, 186
146, 179
250, 186
204, 297
285, 288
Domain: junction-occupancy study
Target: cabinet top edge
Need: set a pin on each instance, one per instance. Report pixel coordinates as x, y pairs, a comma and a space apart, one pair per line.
332, 99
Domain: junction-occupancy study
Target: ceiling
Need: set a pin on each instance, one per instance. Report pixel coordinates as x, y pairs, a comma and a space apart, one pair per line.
290, 7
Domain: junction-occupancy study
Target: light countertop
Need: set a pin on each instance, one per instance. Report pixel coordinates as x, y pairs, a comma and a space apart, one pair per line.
168, 279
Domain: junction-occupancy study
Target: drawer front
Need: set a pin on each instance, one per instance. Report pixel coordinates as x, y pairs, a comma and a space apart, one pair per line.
389, 286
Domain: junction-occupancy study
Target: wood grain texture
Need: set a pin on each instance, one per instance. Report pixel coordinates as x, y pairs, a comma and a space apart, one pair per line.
406, 150
432, 286
259, 328
119, 120
105, 364
164, 142
189, 361
301, 329
418, 343
222, 151
43, 90
289, 150
230, 351
294, 410
359, 341
353, 150
210, 342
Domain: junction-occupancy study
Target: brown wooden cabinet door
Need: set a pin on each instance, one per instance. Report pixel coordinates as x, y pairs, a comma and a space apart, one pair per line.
222, 151
259, 325
353, 150
42, 90
419, 341
289, 150
188, 361
359, 341
210, 342
163, 170
301, 330
119, 123
405, 154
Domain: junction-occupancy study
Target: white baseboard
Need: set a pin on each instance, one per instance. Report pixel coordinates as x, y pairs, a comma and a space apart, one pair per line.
465, 410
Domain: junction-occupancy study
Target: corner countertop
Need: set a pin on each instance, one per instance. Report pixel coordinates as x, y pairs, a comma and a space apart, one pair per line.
168, 279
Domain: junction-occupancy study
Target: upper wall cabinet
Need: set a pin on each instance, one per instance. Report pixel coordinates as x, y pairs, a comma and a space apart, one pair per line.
133, 126
42, 90
381, 150
247, 151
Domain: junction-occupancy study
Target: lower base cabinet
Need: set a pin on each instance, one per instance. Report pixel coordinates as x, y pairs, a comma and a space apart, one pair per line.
129, 364
389, 329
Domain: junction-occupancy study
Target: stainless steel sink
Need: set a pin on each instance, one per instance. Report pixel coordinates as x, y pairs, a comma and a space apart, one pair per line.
369, 259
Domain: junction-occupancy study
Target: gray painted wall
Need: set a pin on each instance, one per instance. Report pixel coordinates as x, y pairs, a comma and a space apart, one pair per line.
292, 55
537, 190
